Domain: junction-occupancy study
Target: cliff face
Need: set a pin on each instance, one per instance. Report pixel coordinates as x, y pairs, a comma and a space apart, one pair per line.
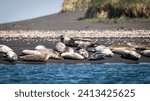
72, 5
110, 8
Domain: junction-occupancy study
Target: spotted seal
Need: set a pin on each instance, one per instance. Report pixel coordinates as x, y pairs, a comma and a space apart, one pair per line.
96, 56
8, 53
62, 48
84, 53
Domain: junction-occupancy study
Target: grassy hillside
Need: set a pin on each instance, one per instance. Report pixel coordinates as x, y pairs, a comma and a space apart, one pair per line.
119, 8
72, 5
110, 8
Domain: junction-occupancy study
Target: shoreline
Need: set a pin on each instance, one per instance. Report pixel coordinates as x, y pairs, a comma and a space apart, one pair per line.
74, 33
20, 40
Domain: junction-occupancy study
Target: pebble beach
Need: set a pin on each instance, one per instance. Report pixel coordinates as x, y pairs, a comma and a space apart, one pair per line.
47, 30
74, 33
19, 40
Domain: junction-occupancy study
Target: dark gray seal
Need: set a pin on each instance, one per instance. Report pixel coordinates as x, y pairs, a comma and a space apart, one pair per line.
76, 42
96, 56
128, 54
68, 41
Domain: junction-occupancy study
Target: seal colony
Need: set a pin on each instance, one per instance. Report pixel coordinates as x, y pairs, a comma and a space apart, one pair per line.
76, 49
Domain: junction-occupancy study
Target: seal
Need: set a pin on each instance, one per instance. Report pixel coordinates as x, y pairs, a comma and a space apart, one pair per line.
98, 48
31, 52
128, 54
7, 53
50, 52
5, 49
146, 53
96, 56
68, 41
62, 48
85, 44
40, 54
131, 55
84, 53
40, 47
10, 56
103, 50
72, 55
74, 42
121, 47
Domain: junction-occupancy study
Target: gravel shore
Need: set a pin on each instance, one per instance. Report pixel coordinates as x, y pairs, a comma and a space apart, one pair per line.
73, 33
19, 40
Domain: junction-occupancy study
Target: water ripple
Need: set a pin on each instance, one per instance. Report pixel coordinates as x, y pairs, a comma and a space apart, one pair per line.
108, 73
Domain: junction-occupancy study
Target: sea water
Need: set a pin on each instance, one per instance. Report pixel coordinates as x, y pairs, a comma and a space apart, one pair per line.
107, 73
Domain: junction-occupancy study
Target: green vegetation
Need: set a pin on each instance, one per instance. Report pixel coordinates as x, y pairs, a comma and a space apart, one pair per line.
72, 5
118, 8
116, 20
112, 11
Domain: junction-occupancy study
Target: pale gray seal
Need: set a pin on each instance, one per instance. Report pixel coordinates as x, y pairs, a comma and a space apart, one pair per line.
5, 49
85, 44
62, 48
103, 50
146, 53
98, 48
10, 56
96, 56
8, 53
72, 55
84, 53
40, 54
40, 47
121, 47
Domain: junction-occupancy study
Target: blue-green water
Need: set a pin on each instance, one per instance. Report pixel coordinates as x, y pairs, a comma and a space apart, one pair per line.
75, 73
